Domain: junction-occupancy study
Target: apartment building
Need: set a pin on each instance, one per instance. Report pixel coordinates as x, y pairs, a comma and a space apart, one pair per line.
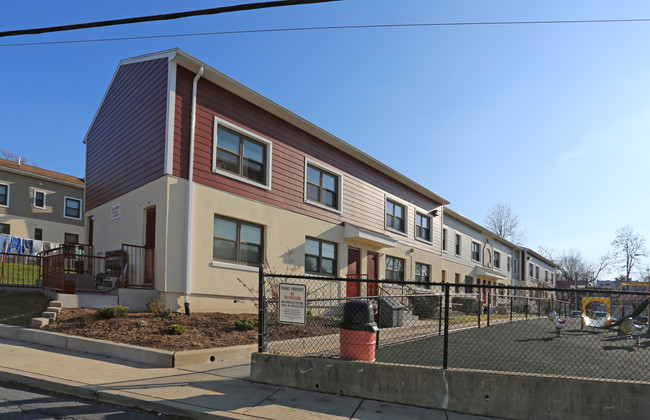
472, 254
214, 179
39, 204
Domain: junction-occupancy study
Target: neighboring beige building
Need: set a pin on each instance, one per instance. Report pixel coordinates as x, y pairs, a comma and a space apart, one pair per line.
472, 254
39, 204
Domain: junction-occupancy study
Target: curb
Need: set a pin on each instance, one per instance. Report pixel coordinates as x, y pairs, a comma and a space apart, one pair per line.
127, 352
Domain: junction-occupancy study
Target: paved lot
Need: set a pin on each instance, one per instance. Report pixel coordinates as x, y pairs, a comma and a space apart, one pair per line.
532, 346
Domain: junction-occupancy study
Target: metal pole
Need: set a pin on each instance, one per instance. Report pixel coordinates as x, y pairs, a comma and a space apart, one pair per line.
488, 306
511, 305
480, 305
445, 347
440, 317
261, 318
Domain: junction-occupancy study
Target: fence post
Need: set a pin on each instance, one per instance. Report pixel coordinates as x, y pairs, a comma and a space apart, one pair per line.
261, 317
489, 296
440, 317
445, 346
480, 306
527, 304
511, 305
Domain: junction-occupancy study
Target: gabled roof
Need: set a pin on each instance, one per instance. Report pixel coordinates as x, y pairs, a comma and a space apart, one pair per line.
37, 172
470, 222
185, 60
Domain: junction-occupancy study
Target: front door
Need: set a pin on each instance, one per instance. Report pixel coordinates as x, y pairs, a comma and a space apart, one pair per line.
149, 245
373, 267
354, 271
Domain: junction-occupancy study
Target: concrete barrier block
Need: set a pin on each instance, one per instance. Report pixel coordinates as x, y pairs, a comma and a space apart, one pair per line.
54, 309
39, 322
195, 357
49, 315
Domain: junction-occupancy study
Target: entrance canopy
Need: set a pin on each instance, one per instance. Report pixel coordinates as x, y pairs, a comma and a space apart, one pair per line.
367, 237
484, 273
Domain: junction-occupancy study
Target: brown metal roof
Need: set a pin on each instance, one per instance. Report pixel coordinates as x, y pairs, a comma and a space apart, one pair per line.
39, 172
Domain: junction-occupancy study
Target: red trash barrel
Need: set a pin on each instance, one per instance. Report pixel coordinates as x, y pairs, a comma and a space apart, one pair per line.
358, 332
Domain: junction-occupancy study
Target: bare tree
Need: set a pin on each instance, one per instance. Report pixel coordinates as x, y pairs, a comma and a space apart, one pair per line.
5, 154
626, 248
502, 221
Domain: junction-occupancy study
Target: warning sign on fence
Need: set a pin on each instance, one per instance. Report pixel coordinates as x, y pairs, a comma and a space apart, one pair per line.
292, 303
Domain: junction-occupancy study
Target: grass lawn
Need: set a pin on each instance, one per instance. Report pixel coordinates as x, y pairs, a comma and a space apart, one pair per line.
19, 307
18, 274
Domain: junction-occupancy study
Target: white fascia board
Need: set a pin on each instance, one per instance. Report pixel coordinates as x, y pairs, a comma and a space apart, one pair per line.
171, 110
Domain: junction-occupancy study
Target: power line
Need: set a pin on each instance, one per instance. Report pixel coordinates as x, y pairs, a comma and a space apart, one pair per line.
168, 16
319, 28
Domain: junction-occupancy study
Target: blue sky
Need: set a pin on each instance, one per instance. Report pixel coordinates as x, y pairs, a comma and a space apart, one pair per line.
553, 120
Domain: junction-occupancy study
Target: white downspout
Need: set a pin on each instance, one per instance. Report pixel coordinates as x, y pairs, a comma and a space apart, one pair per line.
190, 197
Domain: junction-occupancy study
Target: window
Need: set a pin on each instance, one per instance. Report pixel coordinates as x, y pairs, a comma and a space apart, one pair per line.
508, 264
72, 208
70, 238
497, 259
422, 273
530, 269
320, 257
322, 187
4, 195
444, 239
394, 268
241, 154
38, 234
537, 272
238, 241
423, 227
515, 266
395, 216
476, 251
551, 277
457, 244
457, 282
469, 280
39, 199
4, 228
444, 276
545, 275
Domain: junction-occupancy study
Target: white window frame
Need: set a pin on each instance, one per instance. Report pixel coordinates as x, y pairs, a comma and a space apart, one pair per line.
8, 189
415, 228
339, 180
478, 252
44, 199
65, 206
269, 152
458, 245
509, 261
406, 215
495, 259
515, 266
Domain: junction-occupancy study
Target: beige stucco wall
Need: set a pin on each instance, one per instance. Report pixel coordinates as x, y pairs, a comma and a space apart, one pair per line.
23, 227
215, 286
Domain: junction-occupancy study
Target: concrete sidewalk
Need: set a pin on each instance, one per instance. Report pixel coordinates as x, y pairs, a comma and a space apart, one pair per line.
216, 390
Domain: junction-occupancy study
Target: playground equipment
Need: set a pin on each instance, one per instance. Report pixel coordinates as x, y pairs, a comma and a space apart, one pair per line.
596, 319
629, 327
559, 323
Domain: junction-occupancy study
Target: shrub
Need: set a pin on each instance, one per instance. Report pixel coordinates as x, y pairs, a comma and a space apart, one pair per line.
244, 324
155, 306
175, 329
116, 311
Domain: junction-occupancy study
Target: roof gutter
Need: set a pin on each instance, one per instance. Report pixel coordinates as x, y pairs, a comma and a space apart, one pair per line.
190, 197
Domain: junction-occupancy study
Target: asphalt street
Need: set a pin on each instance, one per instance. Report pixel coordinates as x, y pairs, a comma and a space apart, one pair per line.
22, 403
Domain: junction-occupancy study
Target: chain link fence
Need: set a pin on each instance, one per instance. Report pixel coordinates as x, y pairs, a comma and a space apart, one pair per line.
522, 330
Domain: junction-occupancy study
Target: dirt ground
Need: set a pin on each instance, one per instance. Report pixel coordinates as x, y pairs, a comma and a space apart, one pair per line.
202, 330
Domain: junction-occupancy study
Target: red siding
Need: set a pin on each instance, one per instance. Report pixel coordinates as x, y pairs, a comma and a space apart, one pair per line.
363, 188
126, 143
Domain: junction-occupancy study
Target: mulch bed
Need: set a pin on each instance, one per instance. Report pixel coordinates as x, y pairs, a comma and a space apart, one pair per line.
202, 330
